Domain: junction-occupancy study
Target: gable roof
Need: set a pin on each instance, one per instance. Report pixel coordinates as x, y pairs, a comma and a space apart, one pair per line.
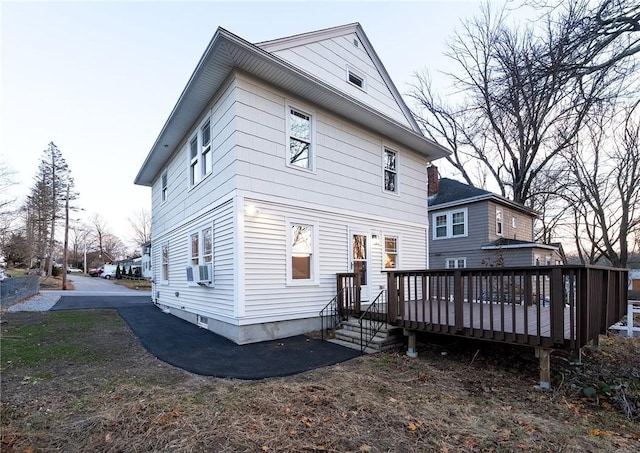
304, 39
453, 193
227, 52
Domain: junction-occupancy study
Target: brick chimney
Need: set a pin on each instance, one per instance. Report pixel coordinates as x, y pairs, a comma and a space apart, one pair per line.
433, 180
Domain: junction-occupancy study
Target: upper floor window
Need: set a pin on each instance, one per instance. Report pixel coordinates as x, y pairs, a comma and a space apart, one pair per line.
514, 222
302, 253
390, 171
300, 139
205, 133
499, 224
390, 252
455, 263
194, 166
165, 191
450, 224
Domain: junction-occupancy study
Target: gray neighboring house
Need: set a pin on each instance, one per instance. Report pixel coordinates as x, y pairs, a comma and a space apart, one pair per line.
471, 227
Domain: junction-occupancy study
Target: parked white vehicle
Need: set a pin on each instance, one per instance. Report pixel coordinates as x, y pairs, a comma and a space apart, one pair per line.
108, 271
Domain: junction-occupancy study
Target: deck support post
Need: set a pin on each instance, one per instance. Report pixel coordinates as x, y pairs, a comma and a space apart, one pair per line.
595, 344
411, 350
544, 355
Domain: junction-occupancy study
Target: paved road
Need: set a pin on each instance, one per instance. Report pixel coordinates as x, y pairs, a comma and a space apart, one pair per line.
96, 286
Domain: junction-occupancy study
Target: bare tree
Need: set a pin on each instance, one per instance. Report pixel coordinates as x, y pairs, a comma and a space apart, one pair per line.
526, 91
605, 195
7, 209
141, 226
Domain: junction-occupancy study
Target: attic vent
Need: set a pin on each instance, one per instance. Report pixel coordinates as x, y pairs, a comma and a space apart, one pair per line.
356, 80
355, 43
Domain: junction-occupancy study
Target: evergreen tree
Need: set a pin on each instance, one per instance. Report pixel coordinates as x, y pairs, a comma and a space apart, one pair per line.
118, 272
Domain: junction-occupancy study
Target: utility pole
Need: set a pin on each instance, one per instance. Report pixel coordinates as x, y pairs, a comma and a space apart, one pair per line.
66, 240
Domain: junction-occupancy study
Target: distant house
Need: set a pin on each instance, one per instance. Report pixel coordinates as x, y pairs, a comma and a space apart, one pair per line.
472, 227
145, 260
282, 164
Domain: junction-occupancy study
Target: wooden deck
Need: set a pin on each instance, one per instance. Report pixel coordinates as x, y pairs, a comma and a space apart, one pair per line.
556, 307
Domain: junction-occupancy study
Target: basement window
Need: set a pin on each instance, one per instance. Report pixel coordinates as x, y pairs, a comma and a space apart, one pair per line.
203, 321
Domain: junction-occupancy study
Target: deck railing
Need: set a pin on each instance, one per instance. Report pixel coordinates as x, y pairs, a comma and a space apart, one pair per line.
561, 307
348, 291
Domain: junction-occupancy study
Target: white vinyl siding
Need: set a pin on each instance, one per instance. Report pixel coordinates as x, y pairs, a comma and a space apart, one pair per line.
348, 160
326, 60
268, 297
211, 303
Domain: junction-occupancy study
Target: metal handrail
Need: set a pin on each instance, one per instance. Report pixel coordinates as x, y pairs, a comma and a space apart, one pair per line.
375, 328
333, 314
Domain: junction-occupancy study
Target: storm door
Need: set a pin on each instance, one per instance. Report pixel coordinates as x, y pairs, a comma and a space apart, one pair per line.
360, 264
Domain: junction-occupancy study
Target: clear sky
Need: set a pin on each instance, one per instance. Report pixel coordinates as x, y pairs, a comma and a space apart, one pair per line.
99, 79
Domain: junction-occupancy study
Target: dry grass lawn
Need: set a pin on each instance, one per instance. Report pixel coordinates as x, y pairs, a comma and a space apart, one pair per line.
79, 381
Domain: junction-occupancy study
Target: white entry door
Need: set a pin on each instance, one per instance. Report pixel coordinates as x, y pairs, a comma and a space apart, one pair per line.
360, 264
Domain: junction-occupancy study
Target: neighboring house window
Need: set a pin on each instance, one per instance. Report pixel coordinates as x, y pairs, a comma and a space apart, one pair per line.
195, 249
205, 132
194, 167
514, 222
390, 171
301, 250
300, 133
165, 263
165, 192
450, 224
456, 263
499, 225
390, 252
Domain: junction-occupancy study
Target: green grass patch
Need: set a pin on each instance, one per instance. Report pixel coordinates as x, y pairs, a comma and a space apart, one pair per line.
54, 336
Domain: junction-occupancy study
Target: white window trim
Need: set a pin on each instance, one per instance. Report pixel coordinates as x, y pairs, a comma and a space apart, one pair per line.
313, 145
455, 260
195, 178
315, 263
162, 279
206, 149
499, 213
449, 215
164, 186
384, 169
384, 250
199, 231
350, 70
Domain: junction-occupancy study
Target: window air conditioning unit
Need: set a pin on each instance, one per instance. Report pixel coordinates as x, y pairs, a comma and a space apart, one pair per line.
201, 274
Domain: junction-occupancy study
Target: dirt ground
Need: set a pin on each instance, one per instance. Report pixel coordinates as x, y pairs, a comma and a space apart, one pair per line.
81, 382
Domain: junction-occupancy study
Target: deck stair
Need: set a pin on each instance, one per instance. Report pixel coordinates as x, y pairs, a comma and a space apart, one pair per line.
348, 334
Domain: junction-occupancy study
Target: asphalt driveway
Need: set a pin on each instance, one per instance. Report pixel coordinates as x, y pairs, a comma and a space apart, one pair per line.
202, 352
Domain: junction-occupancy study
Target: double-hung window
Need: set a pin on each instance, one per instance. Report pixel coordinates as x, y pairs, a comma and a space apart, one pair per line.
300, 139
201, 246
390, 171
302, 253
165, 263
194, 166
456, 263
450, 224
390, 252
205, 132
499, 224
165, 191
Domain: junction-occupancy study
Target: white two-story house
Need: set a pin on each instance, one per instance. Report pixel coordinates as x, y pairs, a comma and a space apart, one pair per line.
282, 164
